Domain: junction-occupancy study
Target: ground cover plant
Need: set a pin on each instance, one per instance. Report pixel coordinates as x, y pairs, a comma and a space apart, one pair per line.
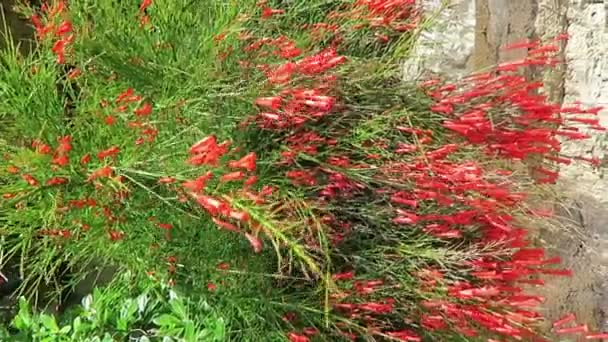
265, 165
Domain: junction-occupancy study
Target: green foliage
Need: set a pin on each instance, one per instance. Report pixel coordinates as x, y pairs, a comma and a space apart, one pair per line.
114, 313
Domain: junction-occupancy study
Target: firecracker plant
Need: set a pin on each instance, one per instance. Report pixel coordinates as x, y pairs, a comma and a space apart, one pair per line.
268, 161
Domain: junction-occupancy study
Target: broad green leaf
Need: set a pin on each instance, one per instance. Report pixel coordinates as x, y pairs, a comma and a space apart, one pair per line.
178, 308
166, 320
49, 322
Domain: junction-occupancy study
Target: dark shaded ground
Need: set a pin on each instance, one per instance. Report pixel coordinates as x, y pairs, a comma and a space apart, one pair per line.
21, 31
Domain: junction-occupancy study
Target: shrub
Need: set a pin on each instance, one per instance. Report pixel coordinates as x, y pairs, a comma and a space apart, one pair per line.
267, 160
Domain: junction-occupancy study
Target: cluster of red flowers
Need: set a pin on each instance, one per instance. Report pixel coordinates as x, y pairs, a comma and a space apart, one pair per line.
559, 328
144, 18
142, 110
207, 152
60, 33
386, 18
476, 111
499, 111
295, 106
60, 158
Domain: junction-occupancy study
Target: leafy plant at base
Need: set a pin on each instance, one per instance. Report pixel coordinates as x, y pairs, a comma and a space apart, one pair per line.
114, 313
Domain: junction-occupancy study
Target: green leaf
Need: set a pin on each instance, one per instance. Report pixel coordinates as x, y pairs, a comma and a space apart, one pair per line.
166, 320
23, 320
49, 322
77, 324
142, 301
220, 330
107, 338
189, 331
122, 324
178, 308
65, 330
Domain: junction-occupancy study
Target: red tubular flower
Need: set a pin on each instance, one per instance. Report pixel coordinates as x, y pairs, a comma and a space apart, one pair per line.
343, 276
405, 217
404, 335
109, 120
64, 144
12, 169
166, 180
211, 154
110, 152
226, 225
115, 235
29, 179
521, 45
282, 74
60, 160
401, 198
198, 184
379, 308
248, 162
442, 152
250, 181
273, 102
85, 159
523, 300
144, 5
566, 319
255, 242
223, 266
528, 254
565, 273
63, 28
323, 103
443, 108
268, 12
232, 176
144, 110
213, 206
301, 177
596, 336
43, 148
58, 47
74, 73
205, 145
37, 22
165, 225
293, 337
124, 95
56, 181
574, 330
105, 171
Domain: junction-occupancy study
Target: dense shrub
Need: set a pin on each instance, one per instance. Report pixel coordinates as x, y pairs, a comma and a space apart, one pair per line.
268, 161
